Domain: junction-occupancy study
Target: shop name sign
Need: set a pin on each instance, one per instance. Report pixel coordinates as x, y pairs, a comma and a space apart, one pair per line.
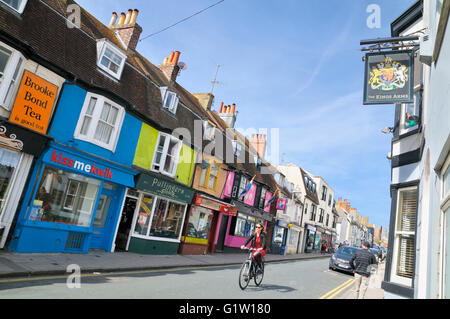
89, 168
164, 188
211, 204
34, 103
389, 77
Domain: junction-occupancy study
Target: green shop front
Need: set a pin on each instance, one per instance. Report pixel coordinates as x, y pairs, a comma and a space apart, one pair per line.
159, 215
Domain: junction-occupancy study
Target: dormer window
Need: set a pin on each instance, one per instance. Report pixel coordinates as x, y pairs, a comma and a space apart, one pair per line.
169, 100
237, 148
110, 59
17, 5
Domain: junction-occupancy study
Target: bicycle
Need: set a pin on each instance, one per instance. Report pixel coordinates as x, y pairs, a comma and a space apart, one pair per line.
248, 271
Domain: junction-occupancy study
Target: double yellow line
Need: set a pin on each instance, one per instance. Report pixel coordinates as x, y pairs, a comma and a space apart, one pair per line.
331, 294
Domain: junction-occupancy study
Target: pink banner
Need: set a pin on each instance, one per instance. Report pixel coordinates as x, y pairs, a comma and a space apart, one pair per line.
228, 185
281, 204
268, 197
249, 199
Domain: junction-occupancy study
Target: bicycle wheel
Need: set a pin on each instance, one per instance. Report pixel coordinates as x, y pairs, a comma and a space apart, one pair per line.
259, 275
244, 275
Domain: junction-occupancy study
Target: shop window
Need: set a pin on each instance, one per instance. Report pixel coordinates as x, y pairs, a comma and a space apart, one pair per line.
64, 198
169, 100
200, 222
110, 59
17, 5
405, 228
245, 225
100, 122
9, 160
166, 155
167, 219
11, 65
143, 218
410, 114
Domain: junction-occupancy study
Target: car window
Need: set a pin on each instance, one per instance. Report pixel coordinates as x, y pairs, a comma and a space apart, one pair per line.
348, 250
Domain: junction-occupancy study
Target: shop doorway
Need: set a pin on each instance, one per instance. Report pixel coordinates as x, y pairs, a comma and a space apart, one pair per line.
125, 224
104, 217
222, 233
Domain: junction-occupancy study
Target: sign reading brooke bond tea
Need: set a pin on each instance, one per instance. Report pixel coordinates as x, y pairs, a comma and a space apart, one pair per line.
389, 77
34, 103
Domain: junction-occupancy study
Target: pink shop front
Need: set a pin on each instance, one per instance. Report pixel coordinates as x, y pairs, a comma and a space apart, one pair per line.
235, 230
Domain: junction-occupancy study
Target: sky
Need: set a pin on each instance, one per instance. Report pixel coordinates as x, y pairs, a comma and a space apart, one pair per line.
294, 70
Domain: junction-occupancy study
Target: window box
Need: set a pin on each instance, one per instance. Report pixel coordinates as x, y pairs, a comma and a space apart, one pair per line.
110, 58
169, 100
167, 153
17, 5
100, 122
11, 66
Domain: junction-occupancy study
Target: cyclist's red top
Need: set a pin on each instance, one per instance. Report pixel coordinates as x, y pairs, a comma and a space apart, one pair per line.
258, 245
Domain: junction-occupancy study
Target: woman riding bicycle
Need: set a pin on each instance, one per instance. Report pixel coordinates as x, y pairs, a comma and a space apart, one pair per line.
258, 240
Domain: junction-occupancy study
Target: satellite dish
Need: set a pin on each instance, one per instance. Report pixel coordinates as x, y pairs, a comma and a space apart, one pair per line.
182, 66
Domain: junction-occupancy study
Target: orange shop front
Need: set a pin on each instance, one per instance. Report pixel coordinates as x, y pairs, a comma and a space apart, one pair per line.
201, 227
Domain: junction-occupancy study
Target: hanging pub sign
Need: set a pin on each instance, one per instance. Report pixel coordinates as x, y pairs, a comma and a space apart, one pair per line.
389, 77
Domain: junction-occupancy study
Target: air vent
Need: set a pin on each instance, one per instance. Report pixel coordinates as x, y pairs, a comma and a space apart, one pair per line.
75, 241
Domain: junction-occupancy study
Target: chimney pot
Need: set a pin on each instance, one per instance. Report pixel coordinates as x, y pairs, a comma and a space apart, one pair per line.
128, 17
122, 19
221, 107
176, 57
172, 54
113, 19
233, 108
134, 16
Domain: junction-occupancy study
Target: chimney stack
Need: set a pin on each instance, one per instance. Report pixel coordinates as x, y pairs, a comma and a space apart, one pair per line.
205, 99
228, 114
170, 66
127, 30
259, 143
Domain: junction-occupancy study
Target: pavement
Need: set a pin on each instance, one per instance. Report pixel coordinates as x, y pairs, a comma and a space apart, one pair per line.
27, 265
374, 291
23, 265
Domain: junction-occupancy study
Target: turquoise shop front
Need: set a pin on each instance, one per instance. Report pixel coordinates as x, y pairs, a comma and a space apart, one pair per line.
159, 216
72, 204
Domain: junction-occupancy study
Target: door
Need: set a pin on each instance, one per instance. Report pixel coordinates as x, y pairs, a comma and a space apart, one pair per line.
126, 223
105, 217
222, 234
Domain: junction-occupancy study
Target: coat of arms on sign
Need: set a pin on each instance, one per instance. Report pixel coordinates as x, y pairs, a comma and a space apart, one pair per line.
388, 75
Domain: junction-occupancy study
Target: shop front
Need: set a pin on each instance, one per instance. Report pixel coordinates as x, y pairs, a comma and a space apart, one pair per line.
310, 237
159, 215
237, 229
318, 239
201, 229
18, 148
72, 203
280, 237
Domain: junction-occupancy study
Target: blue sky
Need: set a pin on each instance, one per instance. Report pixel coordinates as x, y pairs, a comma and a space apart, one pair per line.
293, 65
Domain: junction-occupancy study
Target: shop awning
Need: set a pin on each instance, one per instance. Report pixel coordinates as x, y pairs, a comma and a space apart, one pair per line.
214, 204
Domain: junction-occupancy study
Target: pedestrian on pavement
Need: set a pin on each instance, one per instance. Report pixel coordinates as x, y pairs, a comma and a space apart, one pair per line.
361, 262
258, 239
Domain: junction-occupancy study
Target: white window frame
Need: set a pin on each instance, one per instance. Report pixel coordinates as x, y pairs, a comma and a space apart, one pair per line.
161, 170
444, 205
165, 93
12, 75
95, 118
208, 130
394, 277
19, 9
417, 106
104, 44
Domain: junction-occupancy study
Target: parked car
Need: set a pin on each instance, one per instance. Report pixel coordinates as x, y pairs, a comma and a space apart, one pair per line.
340, 259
